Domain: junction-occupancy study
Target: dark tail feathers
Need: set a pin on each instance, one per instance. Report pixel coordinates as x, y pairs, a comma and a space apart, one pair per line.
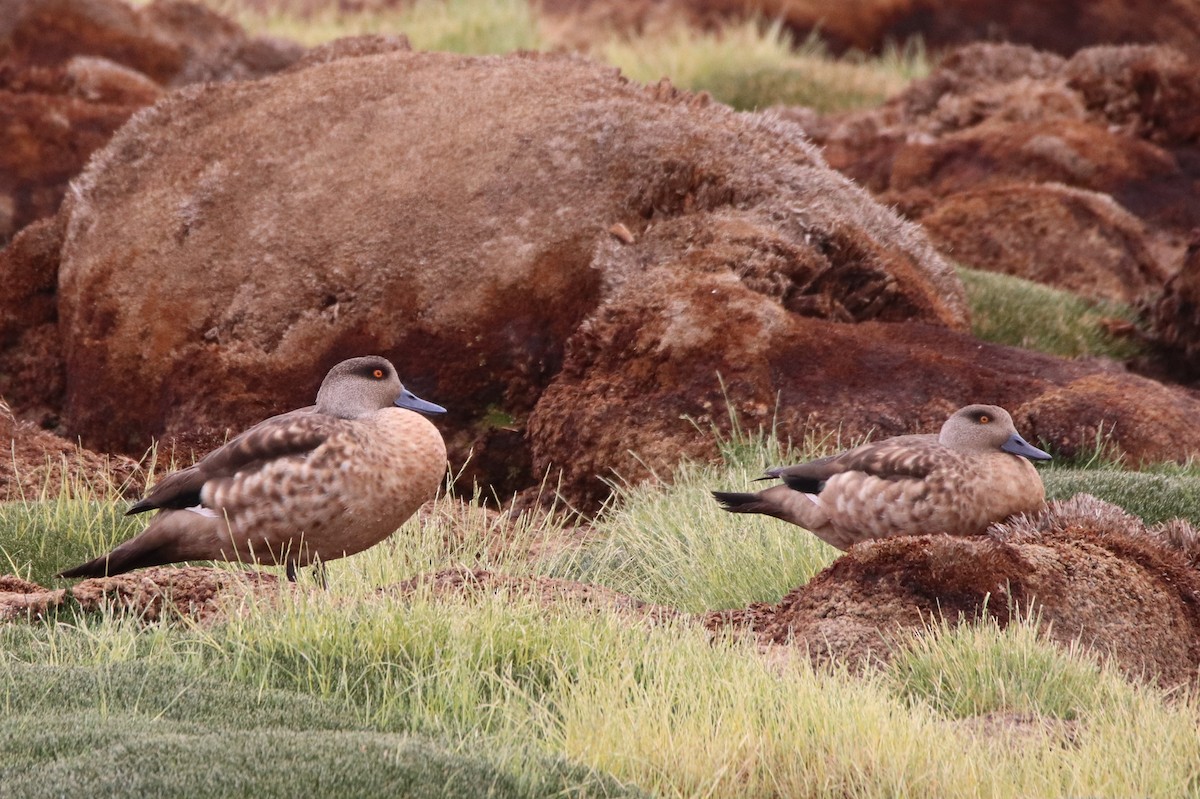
735, 502
151, 548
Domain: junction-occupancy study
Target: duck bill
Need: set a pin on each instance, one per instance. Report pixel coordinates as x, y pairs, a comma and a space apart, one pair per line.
1019, 446
411, 402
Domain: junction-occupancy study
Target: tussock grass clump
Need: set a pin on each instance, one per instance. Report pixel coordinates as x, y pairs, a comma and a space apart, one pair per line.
753, 65
967, 670
1020, 313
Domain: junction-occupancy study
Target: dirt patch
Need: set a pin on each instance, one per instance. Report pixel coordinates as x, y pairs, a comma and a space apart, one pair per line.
34, 463
193, 593
21, 599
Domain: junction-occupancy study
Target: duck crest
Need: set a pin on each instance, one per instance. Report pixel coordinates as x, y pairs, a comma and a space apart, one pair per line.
316, 483
976, 471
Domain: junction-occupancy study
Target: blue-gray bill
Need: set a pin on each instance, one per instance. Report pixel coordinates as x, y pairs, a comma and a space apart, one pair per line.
412, 402
1019, 446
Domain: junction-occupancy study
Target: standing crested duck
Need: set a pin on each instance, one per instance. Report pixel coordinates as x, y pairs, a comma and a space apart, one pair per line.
313, 484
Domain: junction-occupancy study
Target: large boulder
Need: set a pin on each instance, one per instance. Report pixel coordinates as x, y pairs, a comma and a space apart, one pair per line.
1078, 240
462, 216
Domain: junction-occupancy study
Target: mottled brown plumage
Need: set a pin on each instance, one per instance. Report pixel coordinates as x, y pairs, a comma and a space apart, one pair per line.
321, 482
973, 473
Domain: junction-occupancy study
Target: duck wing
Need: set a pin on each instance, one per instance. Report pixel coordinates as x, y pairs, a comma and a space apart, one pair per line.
286, 435
914, 456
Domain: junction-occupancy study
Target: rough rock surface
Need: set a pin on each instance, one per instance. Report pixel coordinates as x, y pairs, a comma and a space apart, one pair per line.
641, 376
1175, 315
221, 272
73, 71
1113, 120
1092, 573
1077, 240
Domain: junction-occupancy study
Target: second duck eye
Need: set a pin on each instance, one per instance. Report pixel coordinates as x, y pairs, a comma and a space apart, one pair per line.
984, 418
377, 374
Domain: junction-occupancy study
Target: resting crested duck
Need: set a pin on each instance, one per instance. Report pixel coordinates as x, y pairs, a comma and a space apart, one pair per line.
976, 471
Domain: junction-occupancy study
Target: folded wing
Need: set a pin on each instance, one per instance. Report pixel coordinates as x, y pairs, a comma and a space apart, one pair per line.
286, 435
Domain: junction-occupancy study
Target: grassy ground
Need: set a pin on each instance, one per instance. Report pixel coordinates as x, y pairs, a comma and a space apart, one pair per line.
504, 697
748, 65
1020, 313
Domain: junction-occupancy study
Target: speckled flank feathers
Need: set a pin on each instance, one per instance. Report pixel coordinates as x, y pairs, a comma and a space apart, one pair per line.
973, 473
321, 482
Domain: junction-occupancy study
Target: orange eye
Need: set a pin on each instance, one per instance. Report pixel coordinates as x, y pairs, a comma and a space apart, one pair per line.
378, 374
984, 419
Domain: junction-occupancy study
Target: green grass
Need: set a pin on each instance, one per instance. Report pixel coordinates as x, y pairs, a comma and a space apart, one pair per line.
749, 65
479, 27
1020, 313
753, 65
150, 729
701, 559
1153, 496
976, 669
425, 695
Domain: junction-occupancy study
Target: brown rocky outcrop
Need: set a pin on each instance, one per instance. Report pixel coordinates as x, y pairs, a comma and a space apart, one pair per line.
1062, 26
1147, 421
31, 370
53, 119
1113, 120
171, 42
642, 375
1088, 571
570, 262
72, 72
1077, 240
234, 241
